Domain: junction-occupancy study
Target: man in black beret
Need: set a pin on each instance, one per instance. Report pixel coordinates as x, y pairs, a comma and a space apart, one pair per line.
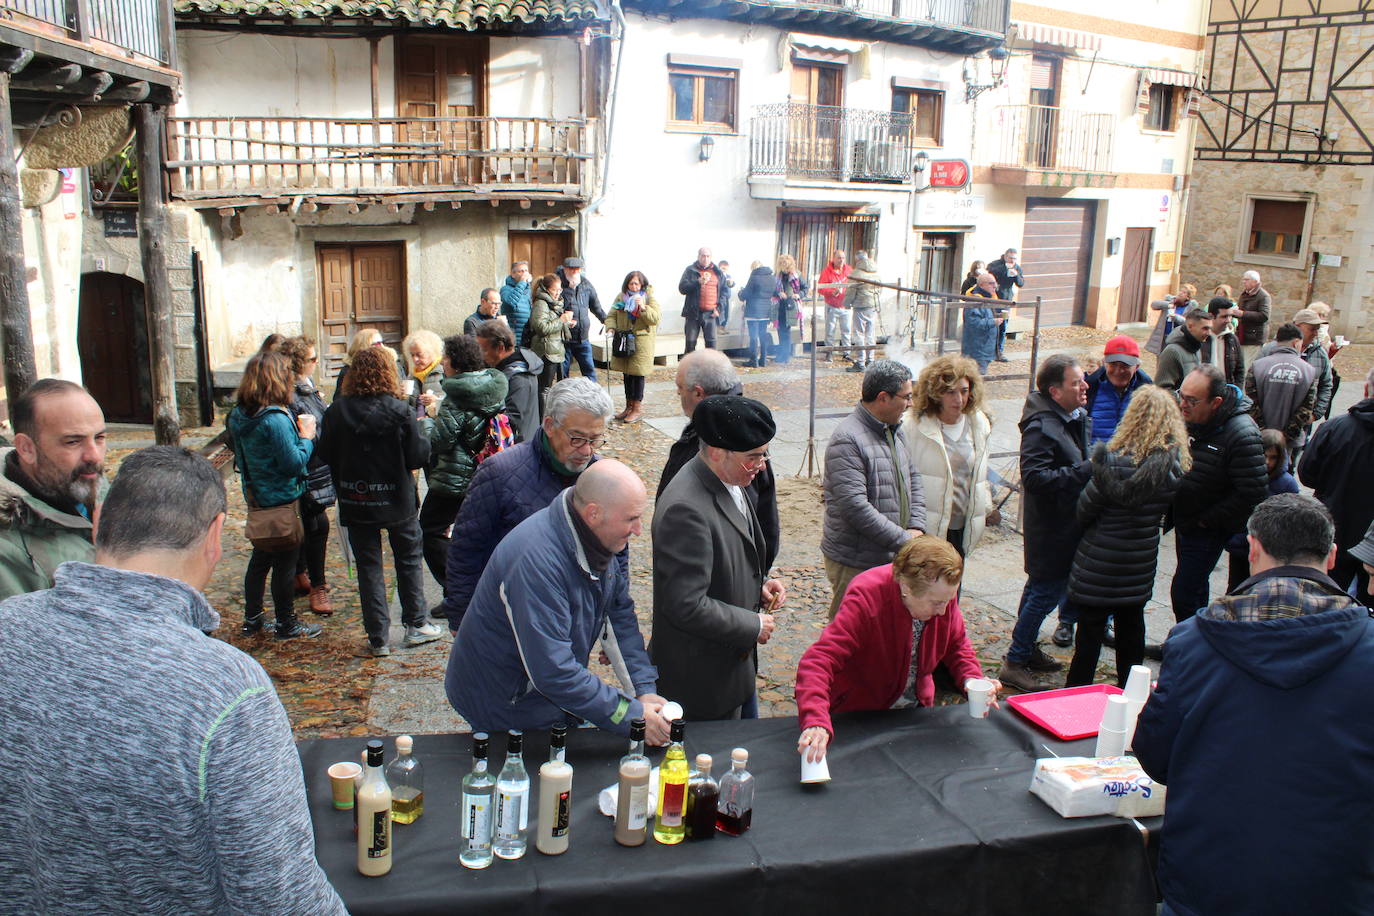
712, 604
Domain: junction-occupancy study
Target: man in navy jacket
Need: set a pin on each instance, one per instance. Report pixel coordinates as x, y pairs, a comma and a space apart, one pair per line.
1262, 729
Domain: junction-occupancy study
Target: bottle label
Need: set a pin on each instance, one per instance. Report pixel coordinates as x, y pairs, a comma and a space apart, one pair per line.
477, 821
673, 796
639, 806
563, 815
511, 817
380, 847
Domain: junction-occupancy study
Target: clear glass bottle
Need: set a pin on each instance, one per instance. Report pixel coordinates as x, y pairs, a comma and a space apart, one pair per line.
703, 795
373, 805
478, 788
632, 791
670, 827
735, 810
407, 780
512, 801
558, 742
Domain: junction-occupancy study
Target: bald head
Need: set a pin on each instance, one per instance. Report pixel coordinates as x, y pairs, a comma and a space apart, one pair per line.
701, 374
610, 498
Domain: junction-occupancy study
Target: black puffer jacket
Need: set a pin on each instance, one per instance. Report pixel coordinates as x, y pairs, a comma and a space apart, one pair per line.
372, 443
1120, 511
1228, 478
1336, 464
1054, 469
319, 484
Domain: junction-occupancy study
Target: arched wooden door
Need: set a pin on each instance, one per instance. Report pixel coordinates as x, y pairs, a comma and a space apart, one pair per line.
112, 337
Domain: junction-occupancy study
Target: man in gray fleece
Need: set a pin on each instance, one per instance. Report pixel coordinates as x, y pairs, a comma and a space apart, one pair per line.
149, 767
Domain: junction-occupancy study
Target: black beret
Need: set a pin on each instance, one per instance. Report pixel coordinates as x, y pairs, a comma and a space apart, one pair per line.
733, 422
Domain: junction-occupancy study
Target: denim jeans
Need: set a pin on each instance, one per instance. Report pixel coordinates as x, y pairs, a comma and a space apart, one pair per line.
1038, 598
1001, 331
703, 323
582, 351
759, 340
837, 325
1198, 552
865, 323
407, 554
783, 353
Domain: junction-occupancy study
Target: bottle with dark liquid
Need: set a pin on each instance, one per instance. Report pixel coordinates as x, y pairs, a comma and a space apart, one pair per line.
703, 794
735, 809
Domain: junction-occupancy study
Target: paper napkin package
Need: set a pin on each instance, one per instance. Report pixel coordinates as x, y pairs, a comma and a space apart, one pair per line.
1087, 786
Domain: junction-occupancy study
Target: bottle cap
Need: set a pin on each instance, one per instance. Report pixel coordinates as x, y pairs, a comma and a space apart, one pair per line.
404, 743
515, 741
479, 744
636, 729
558, 735
703, 762
375, 749
739, 755
678, 730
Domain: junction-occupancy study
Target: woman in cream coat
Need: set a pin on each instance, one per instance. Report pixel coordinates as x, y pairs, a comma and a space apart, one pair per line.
949, 442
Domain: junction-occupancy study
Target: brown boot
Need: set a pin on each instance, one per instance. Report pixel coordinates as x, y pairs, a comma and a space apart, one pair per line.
634, 414
302, 583
320, 602
620, 417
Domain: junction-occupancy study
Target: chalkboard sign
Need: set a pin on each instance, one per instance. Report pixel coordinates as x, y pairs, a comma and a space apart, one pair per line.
121, 223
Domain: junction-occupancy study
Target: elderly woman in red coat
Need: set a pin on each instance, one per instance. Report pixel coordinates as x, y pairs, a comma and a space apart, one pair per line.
895, 624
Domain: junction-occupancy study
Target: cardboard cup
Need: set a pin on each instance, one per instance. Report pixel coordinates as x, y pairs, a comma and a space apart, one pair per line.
1114, 717
343, 780
814, 772
979, 691
1138, 683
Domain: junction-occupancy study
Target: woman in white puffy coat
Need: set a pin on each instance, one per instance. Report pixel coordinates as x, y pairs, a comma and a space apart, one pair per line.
949, 441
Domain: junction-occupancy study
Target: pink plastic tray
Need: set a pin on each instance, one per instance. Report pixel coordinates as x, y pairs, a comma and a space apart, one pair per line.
1068, 714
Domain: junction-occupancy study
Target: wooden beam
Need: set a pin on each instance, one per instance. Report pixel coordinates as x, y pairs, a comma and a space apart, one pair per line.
149, 121
46, 77
136, 91
13, 59
16, 326
429, 206
524, 203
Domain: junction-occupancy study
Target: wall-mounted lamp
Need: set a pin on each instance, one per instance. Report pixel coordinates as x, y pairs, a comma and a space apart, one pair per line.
921, 160
1114, 246
973, 88
708, 146
919, 163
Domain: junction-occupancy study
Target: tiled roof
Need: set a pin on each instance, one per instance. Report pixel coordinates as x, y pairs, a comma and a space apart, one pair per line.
457, 14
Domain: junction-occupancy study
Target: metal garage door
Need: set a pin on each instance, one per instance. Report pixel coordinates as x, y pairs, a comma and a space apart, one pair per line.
1057, 251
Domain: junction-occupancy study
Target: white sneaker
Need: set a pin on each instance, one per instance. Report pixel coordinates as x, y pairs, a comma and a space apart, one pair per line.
418, 636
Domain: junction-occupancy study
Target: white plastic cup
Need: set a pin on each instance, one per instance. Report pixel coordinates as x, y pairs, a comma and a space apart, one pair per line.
1111, 742
1138, 683
1116, 714
408, 386
979, 690
812, 773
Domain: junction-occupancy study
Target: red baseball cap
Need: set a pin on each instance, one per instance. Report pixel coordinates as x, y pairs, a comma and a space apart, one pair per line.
1122, 349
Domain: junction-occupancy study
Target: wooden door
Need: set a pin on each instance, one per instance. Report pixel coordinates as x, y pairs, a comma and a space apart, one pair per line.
816, 127
1043, 123
545, 251
361, 286
112, 339
438, 78
1057, 251
1132, 303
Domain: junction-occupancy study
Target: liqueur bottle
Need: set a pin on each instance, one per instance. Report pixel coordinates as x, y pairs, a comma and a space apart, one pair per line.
736, 807
374, 816
703, 794
670, 827
407, 780
632, 792
555, 807
512, 801
478, 788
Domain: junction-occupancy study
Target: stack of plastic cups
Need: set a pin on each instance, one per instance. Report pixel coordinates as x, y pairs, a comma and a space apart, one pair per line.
1111, 734
1137, 692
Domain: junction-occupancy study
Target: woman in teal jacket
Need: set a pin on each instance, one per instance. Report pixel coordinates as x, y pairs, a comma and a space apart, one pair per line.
271, 454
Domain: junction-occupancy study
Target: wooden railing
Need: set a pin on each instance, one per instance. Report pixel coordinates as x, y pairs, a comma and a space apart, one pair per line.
1054, 139
226, 157
984, 15
830, 142
141, 26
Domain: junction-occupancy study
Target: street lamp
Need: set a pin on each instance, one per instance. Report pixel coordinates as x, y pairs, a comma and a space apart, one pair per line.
708, 146
973, 88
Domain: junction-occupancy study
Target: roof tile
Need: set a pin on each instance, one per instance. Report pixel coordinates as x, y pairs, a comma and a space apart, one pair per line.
458, 14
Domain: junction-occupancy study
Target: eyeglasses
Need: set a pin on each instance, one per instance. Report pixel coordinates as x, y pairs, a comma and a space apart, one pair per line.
1189, 401
583, 441
756, 462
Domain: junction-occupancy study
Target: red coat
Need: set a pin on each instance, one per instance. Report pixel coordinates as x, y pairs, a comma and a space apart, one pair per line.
863, 658
834, 297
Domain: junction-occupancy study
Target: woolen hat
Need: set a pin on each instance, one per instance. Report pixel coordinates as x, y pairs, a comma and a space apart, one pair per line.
1307, 316
1122, 349
1364, 551
573, 263
733, 422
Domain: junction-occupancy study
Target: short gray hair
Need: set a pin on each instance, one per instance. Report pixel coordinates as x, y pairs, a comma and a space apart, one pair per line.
579, 393
1251, 275
163, 498
712, 370
884, 376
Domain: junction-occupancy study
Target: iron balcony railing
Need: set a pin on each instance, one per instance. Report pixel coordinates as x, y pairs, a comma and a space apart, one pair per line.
141, 26
830, 142
983, 15
1053, 139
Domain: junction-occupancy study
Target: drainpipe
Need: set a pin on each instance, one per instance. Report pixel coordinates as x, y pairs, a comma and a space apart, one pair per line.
619, 16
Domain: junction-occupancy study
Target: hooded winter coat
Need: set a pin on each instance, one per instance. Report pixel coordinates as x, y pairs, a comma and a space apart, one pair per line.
35, 537
1120, 511
863, 295
757, 295
1054, 470
546, 326
372, 443
273, 452
1228, 478
460, 427
1283, 391
980, 333
521, 370
1182, 354
1263, 731
515, 305
645, 326
1232, 359
1336, 465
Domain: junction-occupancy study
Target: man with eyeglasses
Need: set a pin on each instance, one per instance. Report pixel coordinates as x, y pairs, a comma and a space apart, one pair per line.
873, 498
713, 605
512, 485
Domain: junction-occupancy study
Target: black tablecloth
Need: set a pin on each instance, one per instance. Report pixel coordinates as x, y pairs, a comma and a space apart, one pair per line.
929, 810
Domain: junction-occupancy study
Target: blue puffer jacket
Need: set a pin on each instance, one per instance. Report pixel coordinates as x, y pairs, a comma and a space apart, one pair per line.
980, 335
520, 657
515, 304
1264, 734
508, 488
757, 295
275, 455
1106, 405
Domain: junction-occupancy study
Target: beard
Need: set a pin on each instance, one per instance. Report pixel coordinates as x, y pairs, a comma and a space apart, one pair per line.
56, 485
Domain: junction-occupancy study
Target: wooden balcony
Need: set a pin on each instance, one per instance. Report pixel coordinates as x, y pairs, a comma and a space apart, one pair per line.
236, 161
1045, 146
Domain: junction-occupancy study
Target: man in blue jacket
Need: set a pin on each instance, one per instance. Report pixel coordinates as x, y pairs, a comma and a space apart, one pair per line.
520, 657
1262, 729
